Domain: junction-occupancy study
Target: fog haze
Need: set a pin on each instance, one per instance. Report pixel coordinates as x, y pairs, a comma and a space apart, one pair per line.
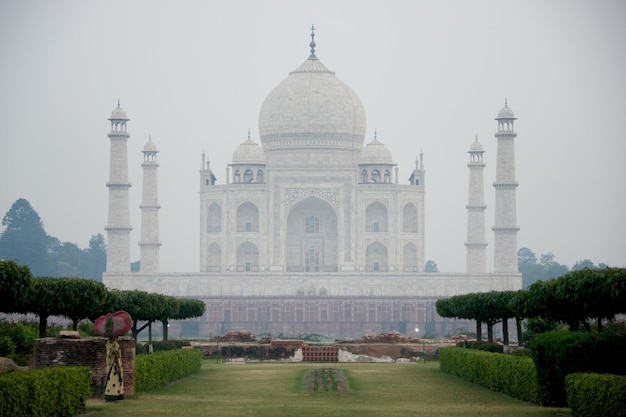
431, 75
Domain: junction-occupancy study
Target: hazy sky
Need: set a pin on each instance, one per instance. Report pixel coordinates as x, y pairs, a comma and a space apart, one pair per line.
431, 75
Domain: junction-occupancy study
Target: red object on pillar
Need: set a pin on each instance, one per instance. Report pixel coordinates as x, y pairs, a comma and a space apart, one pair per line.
121, 322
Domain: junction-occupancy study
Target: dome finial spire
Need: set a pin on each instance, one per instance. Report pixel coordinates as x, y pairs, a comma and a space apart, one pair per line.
506, 104
312, 44
248, 133
118, 103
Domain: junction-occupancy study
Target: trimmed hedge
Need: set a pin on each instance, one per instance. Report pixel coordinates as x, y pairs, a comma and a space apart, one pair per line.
596, 395
161, 368
511, 375
482, 345
557, 354
47, 392
158, 346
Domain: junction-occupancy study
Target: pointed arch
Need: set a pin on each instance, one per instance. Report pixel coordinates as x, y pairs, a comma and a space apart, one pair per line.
312, 225
248, 176
247, 257
376, 258
247, 218
214, 257
376, 218
214, 218
409, 257
409, 218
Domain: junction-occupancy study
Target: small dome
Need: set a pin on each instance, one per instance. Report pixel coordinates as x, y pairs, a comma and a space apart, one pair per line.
118, 113
375, 153
506, 112
476, 147
150, 146
249, 152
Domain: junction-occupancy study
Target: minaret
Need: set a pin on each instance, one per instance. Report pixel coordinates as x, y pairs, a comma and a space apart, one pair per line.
505, 228
149, 244
476, 244
118, 227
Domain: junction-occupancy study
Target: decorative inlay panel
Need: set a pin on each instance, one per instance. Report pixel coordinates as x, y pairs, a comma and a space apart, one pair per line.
294, 195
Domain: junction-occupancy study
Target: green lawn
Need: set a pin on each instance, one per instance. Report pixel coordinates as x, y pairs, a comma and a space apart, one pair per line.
275, 390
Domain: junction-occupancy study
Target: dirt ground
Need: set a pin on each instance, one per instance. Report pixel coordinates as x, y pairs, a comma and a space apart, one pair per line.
392, 345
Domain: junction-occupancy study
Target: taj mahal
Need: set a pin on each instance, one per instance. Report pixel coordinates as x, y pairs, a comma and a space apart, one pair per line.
312, 231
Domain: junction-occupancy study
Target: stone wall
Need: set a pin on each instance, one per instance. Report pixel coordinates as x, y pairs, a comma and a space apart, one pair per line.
89, 352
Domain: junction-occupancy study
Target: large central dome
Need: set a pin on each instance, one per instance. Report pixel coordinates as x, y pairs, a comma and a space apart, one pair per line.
312, 108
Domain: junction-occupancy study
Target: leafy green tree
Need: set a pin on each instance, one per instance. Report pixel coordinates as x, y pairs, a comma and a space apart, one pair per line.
462, 307
578, 296
24, 239
488, 307
584, 264
65, 259
189, 308
142, 307
74, 298
97, 254
79, 298
430, 266
170, 308
552, 268
14, 281
68, 260
533, 270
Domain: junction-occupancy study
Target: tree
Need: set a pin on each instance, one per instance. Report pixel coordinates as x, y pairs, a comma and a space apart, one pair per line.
584, 264
24, 239
14, 281
552, 268
79, 298
74, 298
170, 308
189, 308
533, 271
65, 259
525, 258
578, 296
97, 253
430, 266
141, 305
487, 307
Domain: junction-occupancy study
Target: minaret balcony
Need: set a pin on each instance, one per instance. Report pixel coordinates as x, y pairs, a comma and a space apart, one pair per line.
503, 185
113, 184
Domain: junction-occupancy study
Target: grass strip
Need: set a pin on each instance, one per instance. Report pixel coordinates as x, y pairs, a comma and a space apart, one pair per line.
275, 390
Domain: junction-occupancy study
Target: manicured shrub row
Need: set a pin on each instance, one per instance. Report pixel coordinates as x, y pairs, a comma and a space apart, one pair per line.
482, 345
161, 368
596, 395
47, 392
510, 375
161, 345
557, 354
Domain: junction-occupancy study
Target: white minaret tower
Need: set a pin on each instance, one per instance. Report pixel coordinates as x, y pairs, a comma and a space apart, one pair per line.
505, 228
118, 227
476, 244
149, 244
